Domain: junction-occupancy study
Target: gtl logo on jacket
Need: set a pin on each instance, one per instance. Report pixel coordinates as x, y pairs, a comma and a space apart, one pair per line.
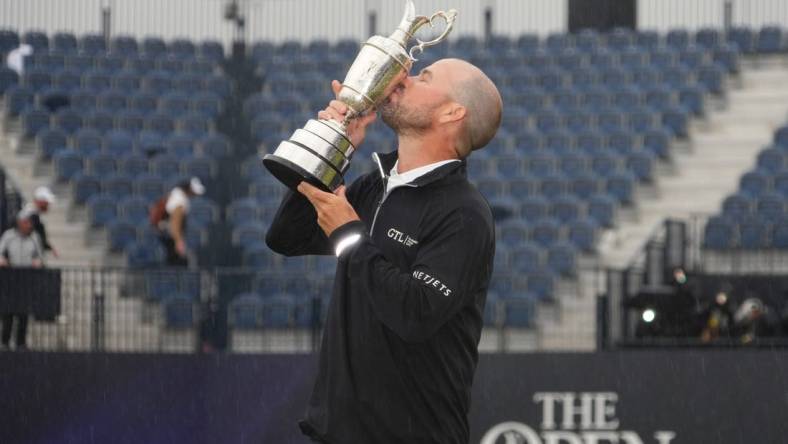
402, 238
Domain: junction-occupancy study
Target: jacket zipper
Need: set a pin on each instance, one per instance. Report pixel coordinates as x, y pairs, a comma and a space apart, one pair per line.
385, 180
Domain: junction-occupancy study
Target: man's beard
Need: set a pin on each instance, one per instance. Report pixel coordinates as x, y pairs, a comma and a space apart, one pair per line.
406, 120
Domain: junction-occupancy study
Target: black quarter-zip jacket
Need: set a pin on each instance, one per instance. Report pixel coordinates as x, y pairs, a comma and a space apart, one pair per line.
399, 346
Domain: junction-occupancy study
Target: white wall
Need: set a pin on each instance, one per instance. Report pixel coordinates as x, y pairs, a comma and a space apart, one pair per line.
662, 15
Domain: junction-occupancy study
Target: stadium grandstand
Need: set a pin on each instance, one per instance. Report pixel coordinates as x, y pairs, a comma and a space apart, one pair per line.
638, 186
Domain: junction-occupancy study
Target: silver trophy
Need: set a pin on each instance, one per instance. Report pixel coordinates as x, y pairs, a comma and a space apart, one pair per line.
320, 152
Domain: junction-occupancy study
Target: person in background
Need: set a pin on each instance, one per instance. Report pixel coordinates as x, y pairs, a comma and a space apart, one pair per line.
169, 216
19, 247
717, 318
754, 319
16, 58
42, 198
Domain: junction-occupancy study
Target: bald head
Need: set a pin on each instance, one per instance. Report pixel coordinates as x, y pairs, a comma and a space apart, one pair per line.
475, 91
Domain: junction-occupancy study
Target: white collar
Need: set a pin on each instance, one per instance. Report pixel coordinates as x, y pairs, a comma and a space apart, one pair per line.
397, 180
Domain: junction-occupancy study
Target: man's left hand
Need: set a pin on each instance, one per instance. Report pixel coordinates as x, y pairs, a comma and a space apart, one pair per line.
333, 210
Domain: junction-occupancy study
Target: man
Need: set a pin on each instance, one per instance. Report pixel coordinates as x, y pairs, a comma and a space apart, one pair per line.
415, 243
42, 199
19, 247
174, 209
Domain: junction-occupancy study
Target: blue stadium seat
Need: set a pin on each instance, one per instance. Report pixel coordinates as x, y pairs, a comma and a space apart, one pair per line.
68, 120
605, 163
554, 185
527, 258
248, 232
118, 186
542, 163
561, 259
214, 145
719, 234
676, 119
676, 77
257, 256
8, 78
678, 38
620, 38
513, 232
582, 234
584, 185
590, 141
558, 141
737, 206
770, 206
84, 187
157, 82
64, 42
522, 187
67, 164
68, 80
203, 212
37, 79
96, 80
92, 44
33, 121
491, 186
17, 99
160, 123
754, 183
518, 312
533, 208
211, 50
102, 210
504, 208
112, 101
118, 143
180, 145
509, 166
88, 141
621, 186
100, 165
245, 311
708, 38
712, 78
182, 48
754, 233
144, 255
9, 40
610, 119
100, 121
112, 64
658, 142
641, 164
541, 284
134, 209
632, 58
194, 125
770, 40
566, 209
693, 57
573, 164
207, 104
779, 237
278, 311
166, 166
175, 103
545, 232
122, 233
144, 102
131, 121
38, 40
49, 141
693, 98
771, 160
743, 38
780, 183
149, 187
81, 63
127, 82
727, 56
179, 312
623, 141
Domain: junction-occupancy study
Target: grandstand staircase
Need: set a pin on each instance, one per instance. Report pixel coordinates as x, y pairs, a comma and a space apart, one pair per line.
76, 244
702, 172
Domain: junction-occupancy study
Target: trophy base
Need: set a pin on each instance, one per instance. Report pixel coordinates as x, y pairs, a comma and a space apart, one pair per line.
291, 174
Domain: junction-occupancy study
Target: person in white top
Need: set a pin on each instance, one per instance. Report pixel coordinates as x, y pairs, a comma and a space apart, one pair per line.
175, 209
16, 58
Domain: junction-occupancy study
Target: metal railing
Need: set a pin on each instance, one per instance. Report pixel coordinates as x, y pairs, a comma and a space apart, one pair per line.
185, 311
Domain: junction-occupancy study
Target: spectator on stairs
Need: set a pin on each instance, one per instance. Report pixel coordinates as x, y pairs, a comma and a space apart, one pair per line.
169, 215
42, 198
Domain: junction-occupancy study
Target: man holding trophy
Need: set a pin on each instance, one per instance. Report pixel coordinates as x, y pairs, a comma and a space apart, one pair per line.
415, 242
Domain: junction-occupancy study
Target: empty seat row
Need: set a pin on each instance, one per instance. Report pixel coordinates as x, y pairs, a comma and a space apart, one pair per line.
95, 44
140, 65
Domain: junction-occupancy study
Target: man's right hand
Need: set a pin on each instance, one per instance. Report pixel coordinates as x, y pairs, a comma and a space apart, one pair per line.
336, 110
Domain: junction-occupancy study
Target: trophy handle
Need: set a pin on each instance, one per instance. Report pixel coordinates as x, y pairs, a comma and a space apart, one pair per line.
450, 16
